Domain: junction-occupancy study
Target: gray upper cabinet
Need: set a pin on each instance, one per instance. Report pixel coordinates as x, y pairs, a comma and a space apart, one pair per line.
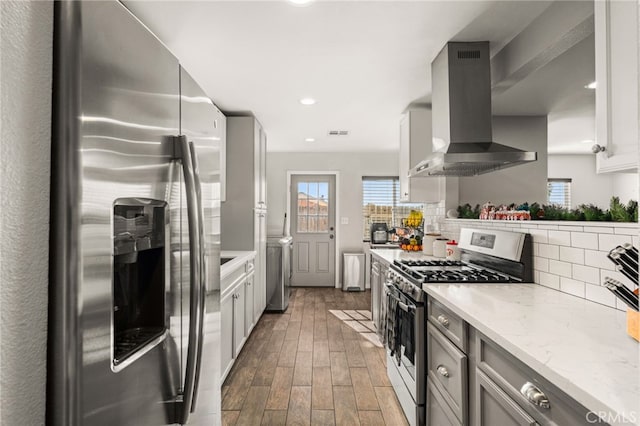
616, 44
415, 146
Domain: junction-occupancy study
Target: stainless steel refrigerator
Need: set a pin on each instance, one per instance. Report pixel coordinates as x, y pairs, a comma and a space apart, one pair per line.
134, 315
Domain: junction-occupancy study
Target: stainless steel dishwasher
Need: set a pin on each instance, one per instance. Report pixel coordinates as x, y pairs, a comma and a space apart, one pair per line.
279, 250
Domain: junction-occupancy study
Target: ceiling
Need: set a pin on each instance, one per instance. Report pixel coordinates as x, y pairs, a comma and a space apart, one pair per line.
365, 62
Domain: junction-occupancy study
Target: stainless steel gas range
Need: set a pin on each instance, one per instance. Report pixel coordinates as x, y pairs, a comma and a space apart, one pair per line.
487, 256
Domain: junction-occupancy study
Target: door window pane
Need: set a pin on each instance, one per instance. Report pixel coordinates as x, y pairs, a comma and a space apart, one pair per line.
302, 224
313, 206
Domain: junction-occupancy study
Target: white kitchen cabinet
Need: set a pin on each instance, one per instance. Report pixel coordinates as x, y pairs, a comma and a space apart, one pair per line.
244, 212
239, 319
249, 308
415, 146
238, 311
616, 50
226, 332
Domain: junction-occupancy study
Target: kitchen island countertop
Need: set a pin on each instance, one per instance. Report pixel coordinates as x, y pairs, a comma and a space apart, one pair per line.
580, 346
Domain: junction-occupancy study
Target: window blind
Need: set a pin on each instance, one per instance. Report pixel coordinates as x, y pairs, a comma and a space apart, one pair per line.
559, 192
381, 203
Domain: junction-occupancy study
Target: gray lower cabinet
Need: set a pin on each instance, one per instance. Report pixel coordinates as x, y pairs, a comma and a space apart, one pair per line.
494, 407
447, 371
438, 412
473, 381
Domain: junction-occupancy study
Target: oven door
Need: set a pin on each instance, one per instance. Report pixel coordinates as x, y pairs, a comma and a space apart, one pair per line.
405, 342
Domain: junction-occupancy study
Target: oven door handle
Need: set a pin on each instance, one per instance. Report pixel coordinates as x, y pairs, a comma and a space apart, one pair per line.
402, 305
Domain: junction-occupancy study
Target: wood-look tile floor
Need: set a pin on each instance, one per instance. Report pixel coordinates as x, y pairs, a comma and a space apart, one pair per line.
306, 367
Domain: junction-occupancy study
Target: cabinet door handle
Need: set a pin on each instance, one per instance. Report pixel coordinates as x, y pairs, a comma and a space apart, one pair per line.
442, 370
443, 320
535, 395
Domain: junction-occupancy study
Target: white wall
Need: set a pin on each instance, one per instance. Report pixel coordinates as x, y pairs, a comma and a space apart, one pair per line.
526, 182
351, 166
588, 187
26, 30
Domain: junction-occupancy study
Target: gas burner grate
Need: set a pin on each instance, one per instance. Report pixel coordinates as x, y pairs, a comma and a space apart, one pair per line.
470, 276
421, 263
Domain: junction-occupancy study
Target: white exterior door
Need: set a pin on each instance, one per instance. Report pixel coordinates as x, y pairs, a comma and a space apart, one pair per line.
313, 212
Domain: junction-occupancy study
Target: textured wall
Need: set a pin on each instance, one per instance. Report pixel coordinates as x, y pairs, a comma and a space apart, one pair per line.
25, 91
525, 182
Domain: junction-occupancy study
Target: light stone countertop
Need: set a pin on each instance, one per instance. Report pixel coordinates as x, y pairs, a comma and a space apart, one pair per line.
240, 257
580, 346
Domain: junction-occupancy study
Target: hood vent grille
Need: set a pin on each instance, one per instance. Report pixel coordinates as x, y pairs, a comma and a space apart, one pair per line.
338, 133
468, 54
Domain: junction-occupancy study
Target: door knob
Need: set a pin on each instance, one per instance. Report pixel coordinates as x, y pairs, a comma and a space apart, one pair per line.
331, 236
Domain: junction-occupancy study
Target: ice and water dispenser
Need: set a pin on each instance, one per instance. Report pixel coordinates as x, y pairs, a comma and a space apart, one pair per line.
140, 273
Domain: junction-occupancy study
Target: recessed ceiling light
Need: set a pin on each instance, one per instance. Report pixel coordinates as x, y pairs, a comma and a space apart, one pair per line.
591, 85
301, 2
309, 140
307, 101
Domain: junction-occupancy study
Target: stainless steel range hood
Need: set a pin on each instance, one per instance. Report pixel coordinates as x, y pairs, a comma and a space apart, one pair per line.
461, 113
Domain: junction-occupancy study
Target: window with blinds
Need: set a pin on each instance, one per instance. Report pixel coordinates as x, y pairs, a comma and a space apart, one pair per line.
381, 203
559, 192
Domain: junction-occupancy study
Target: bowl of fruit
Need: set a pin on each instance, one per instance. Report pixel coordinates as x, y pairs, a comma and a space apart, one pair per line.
413, 243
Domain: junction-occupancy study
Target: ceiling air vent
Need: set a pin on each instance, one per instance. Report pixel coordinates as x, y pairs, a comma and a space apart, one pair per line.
468, 54
338, 133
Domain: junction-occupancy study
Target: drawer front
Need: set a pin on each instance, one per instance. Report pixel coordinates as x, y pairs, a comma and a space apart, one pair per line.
232, 279
450, 324
494, 407
511, 375
447, 368
438, 412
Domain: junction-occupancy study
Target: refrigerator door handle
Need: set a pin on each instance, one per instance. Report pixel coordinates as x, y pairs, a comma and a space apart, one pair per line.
203, 272
183, 152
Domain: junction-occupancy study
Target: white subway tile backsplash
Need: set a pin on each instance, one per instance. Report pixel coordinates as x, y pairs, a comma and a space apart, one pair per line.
586, 273
627, 231
598, 229
560, 268
539, 235
570, 228
561, 238
600, 294
549, 280
609, 241
540, 264
572, 255
569, 257
577, 288
597, 259
549, 227
549, 251
584, 240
